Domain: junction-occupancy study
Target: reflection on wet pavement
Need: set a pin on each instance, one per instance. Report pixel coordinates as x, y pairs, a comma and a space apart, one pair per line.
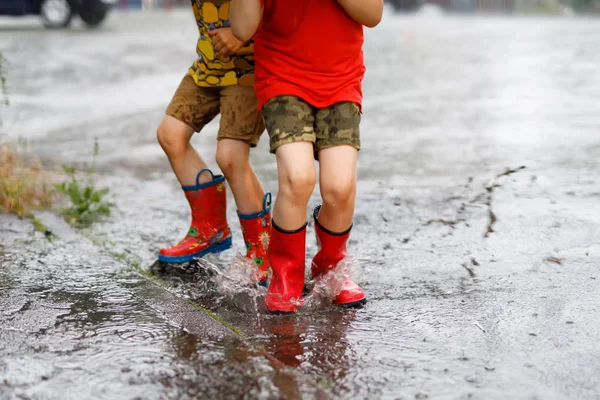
75, 324
481, 284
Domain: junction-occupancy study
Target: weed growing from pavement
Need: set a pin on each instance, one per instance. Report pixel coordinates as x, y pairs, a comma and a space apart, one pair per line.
88, 203
24, 183
40, 227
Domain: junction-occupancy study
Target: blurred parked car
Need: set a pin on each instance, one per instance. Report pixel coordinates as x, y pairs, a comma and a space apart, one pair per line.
404, 5
59, 13
413, 5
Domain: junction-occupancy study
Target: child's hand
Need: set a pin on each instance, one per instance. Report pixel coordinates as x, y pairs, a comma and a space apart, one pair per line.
224, 43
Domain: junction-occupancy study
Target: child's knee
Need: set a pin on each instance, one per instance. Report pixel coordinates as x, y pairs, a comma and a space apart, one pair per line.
298, 184
232, 156
168, 139
173, 141
339, 193
227, 161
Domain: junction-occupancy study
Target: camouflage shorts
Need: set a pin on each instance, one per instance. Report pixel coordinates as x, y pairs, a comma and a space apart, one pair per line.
289, 119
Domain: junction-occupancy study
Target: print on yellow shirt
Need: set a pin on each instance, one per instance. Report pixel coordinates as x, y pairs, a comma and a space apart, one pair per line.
208, 69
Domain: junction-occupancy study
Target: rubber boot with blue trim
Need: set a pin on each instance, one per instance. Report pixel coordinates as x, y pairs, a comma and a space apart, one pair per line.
209, 232
332, 250
256, 228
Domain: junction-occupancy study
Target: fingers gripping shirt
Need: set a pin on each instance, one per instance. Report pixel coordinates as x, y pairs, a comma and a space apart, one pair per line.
209, 69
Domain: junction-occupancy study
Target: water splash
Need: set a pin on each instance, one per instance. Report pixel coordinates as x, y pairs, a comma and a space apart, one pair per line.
236, 287
324, 289
239, 285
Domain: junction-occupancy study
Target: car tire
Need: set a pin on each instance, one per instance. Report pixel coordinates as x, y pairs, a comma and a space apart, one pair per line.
56, 13
93, 16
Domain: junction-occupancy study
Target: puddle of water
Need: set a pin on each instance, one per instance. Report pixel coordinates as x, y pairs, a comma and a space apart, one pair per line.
235, 288
71, 320
312, 340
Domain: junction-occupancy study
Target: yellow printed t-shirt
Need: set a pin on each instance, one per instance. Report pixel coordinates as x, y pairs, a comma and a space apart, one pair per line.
208, 69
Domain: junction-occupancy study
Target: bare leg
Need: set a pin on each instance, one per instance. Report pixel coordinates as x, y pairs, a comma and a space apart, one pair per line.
233, 157
337, 173
174, 137
297, 176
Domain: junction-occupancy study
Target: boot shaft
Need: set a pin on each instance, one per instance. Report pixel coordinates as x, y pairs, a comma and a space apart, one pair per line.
332, 250
208, 204
256, 229
287, 247
287, 257
331, 247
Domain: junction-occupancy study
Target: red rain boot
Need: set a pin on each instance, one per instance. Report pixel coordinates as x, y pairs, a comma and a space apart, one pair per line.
256, 229
332, 249
287, 257
209, 232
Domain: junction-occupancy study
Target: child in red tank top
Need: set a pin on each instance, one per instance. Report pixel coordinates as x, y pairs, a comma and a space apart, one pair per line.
308, 72
315, 55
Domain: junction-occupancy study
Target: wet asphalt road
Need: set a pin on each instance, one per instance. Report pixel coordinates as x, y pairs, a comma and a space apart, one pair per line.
76, 323
481, 284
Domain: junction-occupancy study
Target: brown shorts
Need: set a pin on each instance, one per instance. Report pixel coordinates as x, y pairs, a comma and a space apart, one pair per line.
290, 119
196, 106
